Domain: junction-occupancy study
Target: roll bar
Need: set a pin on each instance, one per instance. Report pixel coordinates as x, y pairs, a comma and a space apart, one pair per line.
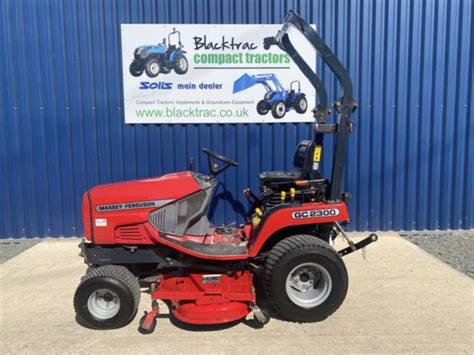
180, 45
346, 104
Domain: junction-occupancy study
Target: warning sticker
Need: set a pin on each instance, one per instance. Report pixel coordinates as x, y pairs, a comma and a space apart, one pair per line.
101, 222
317, 154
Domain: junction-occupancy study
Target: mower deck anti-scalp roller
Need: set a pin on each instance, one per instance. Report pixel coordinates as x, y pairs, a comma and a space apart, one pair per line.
148, 321
154, 234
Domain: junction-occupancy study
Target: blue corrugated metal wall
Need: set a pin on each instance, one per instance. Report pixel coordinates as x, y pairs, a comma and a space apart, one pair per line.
410, 162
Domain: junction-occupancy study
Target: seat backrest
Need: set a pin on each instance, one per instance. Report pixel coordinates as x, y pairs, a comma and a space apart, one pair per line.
304, 157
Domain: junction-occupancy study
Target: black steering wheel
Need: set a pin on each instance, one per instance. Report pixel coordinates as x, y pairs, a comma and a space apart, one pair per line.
213, 169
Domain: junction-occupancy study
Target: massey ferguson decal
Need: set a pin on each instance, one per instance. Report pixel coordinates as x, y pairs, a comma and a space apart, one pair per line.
131, 205
330, 212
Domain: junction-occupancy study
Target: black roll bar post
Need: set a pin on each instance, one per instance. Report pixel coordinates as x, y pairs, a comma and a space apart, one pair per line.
346, 104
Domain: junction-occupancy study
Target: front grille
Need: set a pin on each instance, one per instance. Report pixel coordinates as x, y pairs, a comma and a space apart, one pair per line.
158, 218
130, 233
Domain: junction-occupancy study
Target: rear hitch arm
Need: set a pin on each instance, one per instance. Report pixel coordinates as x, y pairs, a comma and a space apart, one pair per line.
353, 246
359, 245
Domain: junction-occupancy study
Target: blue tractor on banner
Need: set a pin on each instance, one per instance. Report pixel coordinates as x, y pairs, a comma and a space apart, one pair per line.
156, 59
277, 99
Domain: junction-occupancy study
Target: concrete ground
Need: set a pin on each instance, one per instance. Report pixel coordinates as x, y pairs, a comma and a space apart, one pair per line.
400, 299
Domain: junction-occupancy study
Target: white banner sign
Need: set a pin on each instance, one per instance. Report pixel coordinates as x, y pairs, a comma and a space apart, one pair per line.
211, 74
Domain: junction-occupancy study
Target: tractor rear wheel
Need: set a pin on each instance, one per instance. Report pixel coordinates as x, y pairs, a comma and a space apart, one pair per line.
180, 64
305, 279
107, 297
152, 67
136, 68
279, 109
262, 107
301, 105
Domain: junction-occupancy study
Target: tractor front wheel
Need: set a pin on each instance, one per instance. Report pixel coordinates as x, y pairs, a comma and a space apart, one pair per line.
180, 64
152, 67
279, 109
262, 107
136, 68
107, 298
305, 279
301, 105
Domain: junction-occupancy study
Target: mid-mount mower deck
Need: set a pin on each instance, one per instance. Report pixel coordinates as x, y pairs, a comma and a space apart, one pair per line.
154, 233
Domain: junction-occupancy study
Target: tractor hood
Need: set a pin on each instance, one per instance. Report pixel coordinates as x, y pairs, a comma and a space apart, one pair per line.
154, 191
138, 50
106, 208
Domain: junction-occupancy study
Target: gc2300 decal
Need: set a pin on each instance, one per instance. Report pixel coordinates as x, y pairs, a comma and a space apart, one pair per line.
330, 212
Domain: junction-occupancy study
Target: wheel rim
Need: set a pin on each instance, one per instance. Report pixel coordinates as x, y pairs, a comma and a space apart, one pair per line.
308, 285
103, 304
303, 104
280, 109
182, 64
154, 68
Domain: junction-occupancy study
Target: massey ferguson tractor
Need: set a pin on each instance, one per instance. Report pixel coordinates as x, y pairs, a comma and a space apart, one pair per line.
156, 59
154, 235
277, 99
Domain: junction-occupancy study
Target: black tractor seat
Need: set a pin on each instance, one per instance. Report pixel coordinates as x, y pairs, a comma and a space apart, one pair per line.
279, 176
301, 166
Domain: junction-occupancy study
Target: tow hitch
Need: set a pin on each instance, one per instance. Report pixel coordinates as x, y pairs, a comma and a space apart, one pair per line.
354, 246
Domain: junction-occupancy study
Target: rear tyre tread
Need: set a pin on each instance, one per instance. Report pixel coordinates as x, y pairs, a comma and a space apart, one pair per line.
294, 244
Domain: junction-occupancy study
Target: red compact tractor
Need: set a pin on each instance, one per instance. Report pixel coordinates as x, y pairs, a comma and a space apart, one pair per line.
153, 234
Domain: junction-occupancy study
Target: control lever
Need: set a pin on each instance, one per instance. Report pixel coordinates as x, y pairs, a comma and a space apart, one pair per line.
191, 164
249, 195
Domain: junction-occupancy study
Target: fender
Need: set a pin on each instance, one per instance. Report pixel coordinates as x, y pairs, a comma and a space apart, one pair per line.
288, 215
175, 53
299, 94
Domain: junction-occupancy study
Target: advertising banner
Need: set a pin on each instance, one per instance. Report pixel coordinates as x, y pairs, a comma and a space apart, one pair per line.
211, 74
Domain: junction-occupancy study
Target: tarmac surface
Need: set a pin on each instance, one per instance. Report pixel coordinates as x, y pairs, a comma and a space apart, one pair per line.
400, 299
